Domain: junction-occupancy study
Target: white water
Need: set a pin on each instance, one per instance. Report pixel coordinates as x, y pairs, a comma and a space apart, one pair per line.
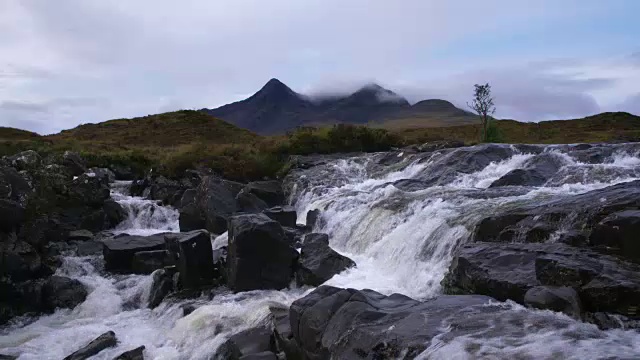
402, 242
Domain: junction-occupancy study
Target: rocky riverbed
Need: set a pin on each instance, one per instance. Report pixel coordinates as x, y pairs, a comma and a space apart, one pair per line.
429, 252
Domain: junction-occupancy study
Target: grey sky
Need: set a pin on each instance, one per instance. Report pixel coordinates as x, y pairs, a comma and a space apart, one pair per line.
67, 62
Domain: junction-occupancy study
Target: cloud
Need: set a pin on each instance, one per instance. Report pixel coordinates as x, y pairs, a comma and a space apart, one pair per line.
135, 58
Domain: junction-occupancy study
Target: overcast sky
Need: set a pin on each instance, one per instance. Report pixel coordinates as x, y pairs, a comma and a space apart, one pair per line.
67, 62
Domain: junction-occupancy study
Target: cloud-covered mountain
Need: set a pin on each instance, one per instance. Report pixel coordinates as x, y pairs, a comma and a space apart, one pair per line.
276, 108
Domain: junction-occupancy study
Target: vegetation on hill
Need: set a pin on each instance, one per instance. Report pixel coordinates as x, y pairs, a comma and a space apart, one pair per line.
176, 141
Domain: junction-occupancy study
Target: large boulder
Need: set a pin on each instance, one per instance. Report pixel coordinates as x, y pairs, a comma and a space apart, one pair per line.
74, 164
217, 202
254, 343
14, 186
26, 160
534, 172
259, 255
134, 354
285, 215
560, 299
100, 343
508, 271
191, 217
19, 260
333, 323
268, 191
62, 292
250, 203
193, 255
12, 214
120, 250
619, 231
146, 262
318, 262
103, 173
161, 285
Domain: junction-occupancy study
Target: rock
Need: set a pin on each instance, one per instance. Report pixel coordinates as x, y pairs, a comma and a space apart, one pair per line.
619, 231
581, 211
12, 215
561, 299
167, 190
251, 342
259, 256
89, 190
7, 357
440, 144
135, 354
119, 251
161, 286
535, 172
122, 172
217, 202
191, 217
18, 260
606, 321
102, 342
14, 186
250, 203
333, 323
268, 191
104, 174
187, 309
282, 335
520, 177
312, 218
74, 164
80, 235
146, 262
285, 215
62, 292
193, 256
26, 160
318, 262
508, 271
88, 248
295, 235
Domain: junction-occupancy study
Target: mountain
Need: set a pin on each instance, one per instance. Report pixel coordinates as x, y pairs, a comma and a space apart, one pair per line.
276, 109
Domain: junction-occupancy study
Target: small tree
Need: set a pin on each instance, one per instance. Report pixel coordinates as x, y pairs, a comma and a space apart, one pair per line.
483, 105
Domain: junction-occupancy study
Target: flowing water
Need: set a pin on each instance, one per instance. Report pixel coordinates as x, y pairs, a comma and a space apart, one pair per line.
402, 242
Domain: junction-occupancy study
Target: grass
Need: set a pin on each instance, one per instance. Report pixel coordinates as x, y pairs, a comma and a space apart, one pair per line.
176, 141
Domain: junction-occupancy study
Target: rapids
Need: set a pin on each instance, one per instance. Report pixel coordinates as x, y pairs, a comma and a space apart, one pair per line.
402, 241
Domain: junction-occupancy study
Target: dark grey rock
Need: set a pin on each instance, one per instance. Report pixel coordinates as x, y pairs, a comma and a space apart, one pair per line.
259, 255
312, 218
12, 214
80, 235
162, 284
191, 217
102, 342
318, 262
146, 262
268, 191
620, 231
119, 250
561, 299
62, 292
243, 345
285, 215
135, 354
74, 164
193, 256
216, 201
26, 160
103, 173
87, 248
250, 203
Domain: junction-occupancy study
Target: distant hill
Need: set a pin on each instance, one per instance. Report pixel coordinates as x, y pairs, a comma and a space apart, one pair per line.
7, 133
162, 130
276, 108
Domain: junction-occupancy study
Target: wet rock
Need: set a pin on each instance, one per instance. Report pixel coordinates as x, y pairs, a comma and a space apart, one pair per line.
62, 292
135, 354
295, 235
26, 160
7, 357
104, 174
285, 215
606, 321
581, 211
12, 215
18, 260
346, 323
282, 335
87, 248
507, 271
167, 190
248, 344
561, 299
193, 256
191, 217
122, 172
80, 235
268, 191
146, 262
119, 251
14, 186
312, 218
250, 203
74, 164
259, 255
89, 190
535, 171
187, 309
410, 185
439, 145
520, 177
318, 262
216, 202
162, 284
102, 342
619, 231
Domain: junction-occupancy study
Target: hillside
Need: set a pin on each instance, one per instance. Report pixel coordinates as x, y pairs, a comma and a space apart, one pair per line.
162, 130
7, 133
276, 109
604, 127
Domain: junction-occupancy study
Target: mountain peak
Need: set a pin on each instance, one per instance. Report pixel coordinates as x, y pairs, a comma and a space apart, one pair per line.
380, 94
276, 90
